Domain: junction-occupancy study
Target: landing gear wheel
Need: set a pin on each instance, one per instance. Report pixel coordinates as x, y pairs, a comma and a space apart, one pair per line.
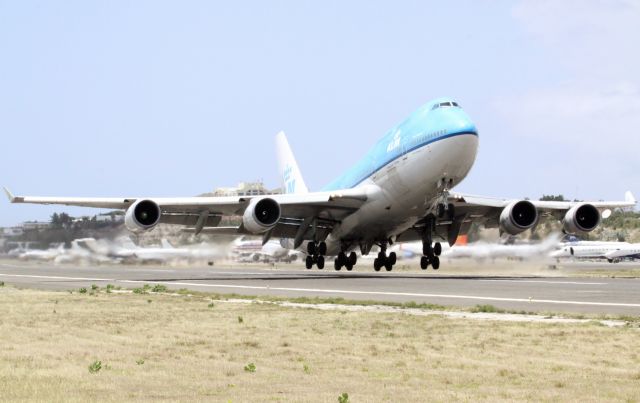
349, 266
320, 262
436, 263
424, 262
322, 248
440, 210
311, 248
353, 258
376, 264
437, 249
388, 266
392, 258
308, 262
336, 264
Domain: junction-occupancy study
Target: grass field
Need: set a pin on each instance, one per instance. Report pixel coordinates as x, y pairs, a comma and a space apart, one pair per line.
190, 348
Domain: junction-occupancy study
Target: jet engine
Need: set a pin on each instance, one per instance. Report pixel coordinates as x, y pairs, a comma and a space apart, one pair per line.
581, 218
142, 216
518, 217
261, 215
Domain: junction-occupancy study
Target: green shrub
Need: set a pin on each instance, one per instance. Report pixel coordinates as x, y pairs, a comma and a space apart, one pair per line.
159, 288
343, 398
487, 309
140, 361
95, 367
211, 305
82, 290
1, 283
94, 287
250, 367
240, 319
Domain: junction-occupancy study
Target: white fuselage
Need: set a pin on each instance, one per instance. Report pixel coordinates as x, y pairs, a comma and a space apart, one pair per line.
407, 188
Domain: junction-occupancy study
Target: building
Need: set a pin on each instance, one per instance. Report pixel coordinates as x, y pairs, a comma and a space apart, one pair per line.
245, 189
35, 225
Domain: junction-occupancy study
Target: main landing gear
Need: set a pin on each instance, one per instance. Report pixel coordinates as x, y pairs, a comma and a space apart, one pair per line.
431, 255
430, 251
315, 254
383, 260
345, 261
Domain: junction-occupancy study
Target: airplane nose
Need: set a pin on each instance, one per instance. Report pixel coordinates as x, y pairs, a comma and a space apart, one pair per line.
463, 123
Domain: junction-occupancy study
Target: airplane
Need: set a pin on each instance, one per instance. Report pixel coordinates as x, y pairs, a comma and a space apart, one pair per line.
59, 254
42, 254
119, 251
245, 250
613, 252
124, 249
400, 191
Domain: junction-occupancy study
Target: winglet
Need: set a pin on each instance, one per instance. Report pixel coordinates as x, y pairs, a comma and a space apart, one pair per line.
628, 197
10, 195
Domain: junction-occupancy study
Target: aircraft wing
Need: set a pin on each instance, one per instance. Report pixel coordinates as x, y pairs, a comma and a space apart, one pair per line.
484, 202
325, 208
488, 209
469, 209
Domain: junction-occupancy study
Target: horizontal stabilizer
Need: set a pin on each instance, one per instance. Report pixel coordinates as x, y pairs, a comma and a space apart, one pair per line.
10, 195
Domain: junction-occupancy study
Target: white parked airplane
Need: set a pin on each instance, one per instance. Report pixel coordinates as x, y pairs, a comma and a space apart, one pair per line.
612, 251
399, 191
124, 249
252, 250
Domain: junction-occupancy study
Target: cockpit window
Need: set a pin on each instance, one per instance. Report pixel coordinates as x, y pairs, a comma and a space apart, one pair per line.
445, 104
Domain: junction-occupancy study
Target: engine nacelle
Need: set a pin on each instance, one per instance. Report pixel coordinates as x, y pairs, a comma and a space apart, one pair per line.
581, 218
518, 217
142, 216
261, 215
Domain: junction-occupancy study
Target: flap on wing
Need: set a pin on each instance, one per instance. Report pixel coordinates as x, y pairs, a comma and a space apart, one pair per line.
216, 230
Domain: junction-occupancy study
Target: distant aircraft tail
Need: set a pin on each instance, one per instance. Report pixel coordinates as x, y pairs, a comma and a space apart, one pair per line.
628, 197
292, 181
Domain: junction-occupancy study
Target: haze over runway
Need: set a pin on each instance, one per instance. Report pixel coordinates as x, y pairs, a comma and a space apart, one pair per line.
593, 295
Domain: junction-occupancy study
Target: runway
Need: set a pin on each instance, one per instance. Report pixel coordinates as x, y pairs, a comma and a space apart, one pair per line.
620, 296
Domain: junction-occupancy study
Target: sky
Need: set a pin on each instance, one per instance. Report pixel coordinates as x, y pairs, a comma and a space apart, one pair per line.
153, 98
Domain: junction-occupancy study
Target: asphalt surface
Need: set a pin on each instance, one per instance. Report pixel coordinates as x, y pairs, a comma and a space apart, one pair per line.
593, 295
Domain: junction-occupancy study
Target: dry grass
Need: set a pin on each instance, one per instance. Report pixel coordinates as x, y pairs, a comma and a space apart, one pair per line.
164, 347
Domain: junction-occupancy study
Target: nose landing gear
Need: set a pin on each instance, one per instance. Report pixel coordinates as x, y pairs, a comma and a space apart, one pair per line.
431, 251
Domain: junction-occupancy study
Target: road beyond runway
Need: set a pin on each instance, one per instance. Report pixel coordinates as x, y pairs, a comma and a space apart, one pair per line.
616, 296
